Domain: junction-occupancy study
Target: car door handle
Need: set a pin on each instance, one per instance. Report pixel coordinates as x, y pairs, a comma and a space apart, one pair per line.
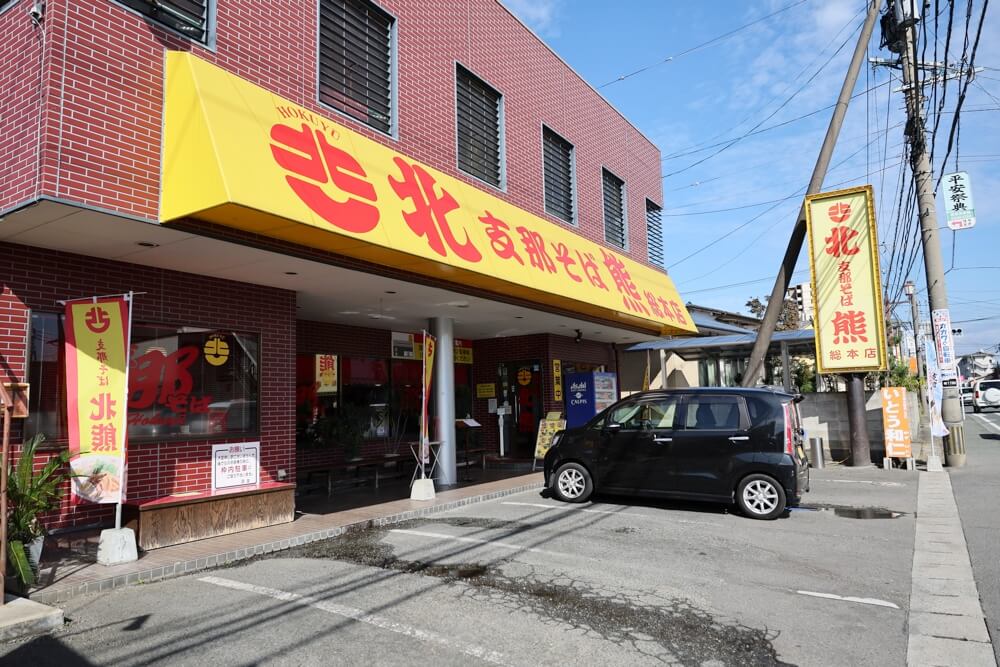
739, 438
663, 439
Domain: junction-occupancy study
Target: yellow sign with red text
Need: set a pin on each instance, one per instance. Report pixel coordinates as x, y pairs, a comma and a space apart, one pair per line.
896, 423
96, 333
326, 374
236, 154
846, 284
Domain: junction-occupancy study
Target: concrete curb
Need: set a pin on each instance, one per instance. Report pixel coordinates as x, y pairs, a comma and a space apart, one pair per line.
946, 621
56, 595
20, 618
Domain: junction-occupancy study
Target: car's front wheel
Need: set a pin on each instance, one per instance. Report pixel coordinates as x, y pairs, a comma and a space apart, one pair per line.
573, 483
760, 497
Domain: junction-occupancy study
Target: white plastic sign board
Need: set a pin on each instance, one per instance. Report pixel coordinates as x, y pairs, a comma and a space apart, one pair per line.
235, 465
941, 320
958, 202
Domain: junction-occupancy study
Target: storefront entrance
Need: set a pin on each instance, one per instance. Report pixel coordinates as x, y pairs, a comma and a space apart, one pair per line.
521, 388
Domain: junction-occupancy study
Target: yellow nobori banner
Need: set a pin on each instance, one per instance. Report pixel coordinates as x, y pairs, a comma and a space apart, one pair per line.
846, 283
96, 358
236, 154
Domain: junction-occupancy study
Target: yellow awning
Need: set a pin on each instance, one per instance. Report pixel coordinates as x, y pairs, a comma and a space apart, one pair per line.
237, 155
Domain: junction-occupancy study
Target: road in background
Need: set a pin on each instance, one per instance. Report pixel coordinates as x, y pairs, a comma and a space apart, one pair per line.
526, 580
977, 492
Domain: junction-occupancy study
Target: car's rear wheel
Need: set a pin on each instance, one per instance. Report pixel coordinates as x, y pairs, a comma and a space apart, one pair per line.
760, 497
573, 483
976, 408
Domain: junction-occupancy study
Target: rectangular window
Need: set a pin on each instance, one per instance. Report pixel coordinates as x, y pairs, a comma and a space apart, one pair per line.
478, 107
654, 232
355, 61
708, 413
614, 209
557, 158
183, 381
188, 17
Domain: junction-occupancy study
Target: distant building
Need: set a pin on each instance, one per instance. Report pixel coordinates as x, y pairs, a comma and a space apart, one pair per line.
801, 294
976, 365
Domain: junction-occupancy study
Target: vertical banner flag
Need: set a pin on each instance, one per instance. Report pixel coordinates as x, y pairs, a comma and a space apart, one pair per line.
429, 343
936, 388
843, 256
96, 396
958, 201
896, 423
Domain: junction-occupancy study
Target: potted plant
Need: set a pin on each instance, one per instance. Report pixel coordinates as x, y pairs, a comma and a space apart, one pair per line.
31, 494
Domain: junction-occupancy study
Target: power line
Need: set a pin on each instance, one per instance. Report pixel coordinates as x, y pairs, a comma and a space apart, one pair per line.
700, 46
746, 282
693, 150
787, 86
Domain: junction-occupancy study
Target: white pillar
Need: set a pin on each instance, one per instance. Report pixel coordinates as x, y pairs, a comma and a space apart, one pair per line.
444, 398
786, 368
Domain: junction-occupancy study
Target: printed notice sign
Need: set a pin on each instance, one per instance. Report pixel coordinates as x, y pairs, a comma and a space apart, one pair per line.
235, 465
958, 201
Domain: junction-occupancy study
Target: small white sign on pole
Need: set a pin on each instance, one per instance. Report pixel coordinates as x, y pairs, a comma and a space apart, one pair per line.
235, 465
958, 201
945, 343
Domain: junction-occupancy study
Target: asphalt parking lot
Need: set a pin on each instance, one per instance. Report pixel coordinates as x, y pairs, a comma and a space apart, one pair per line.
527, 580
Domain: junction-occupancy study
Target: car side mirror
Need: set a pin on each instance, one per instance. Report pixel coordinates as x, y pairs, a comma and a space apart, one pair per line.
612, 427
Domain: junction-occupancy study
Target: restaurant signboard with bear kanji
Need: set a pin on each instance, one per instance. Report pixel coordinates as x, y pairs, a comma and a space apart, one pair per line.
847, 303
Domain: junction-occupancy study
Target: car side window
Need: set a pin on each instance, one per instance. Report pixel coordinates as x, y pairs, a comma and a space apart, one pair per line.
661, 413
649, 414
627, 416
712, 413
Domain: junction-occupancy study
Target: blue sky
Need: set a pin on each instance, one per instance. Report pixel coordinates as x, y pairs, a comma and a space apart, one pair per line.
719, 92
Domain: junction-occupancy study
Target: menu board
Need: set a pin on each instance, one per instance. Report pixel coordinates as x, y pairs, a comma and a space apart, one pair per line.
547, 428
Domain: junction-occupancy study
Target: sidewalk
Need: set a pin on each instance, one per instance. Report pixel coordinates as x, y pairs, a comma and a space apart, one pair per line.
946, 621
70, 579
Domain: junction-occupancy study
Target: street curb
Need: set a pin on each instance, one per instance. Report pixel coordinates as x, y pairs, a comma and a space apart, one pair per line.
59, 595
21, 618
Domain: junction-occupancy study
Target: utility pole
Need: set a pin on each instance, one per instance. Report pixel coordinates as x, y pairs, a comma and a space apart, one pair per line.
860, 447
907, 16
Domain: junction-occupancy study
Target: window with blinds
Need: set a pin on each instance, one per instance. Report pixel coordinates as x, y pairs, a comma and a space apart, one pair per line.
355, 61
654, 232
557, 159
188, 17
614, 209
478, 108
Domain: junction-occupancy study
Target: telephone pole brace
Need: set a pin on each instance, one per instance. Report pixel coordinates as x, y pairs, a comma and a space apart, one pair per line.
860, 447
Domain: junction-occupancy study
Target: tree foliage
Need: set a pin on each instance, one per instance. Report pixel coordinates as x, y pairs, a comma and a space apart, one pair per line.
787, 320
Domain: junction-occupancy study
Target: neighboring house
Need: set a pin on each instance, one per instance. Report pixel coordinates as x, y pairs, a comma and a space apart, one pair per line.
976, 365
801, 294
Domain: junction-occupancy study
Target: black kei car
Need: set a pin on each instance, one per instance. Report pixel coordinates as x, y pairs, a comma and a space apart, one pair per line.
715, 444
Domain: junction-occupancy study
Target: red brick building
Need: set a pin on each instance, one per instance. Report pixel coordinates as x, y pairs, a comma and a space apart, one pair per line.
302, 179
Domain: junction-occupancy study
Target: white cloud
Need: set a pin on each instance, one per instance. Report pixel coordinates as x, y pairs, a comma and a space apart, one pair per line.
539, 15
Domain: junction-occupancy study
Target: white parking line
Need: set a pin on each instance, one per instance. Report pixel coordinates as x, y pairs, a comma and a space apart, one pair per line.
633, 514
361, 616
988, 422
473, 540
831, 596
